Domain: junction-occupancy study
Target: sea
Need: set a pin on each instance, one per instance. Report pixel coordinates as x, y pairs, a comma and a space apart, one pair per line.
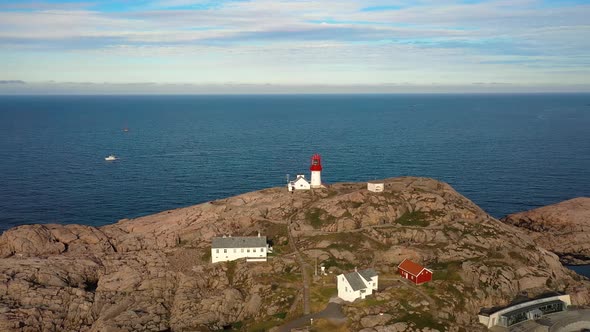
505, 152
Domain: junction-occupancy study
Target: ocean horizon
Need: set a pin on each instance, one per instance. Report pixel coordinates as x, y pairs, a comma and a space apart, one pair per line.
505, 152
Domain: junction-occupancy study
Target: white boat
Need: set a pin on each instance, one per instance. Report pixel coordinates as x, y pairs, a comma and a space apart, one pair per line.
111, 158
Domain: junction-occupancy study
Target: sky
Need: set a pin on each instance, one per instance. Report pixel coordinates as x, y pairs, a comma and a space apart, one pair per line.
294, 45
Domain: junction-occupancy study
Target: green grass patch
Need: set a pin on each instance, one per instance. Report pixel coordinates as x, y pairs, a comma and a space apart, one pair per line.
237, 326
206, 257
415, 218
231, 271
422, 320
448, 271
280, 315
274, 230
263, 326
318, 217
343, 265
290, 277
371, 301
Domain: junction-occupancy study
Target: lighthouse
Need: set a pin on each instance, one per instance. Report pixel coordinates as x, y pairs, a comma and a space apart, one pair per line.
316, 171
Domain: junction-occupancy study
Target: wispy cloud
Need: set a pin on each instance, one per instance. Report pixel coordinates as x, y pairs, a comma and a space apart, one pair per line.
294, 41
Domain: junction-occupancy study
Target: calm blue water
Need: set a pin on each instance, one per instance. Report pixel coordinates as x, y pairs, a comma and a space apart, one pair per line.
581, 269
505, 152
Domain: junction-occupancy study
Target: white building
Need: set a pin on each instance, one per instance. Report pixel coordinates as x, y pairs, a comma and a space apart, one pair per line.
253, 248
529, 310
357, 285
375, 187
299, 184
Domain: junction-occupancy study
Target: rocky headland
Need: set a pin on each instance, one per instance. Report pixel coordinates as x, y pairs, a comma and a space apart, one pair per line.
562, 228
154, 273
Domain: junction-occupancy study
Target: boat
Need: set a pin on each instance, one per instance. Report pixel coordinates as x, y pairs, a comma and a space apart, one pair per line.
111, 158
125, 129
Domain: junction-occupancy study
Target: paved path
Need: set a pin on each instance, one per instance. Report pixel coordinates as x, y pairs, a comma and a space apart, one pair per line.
332, 312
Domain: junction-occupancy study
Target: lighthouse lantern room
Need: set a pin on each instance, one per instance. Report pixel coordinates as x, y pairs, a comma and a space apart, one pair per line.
316, 171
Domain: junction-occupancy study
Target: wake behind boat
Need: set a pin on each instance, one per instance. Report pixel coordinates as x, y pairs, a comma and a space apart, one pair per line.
111, 158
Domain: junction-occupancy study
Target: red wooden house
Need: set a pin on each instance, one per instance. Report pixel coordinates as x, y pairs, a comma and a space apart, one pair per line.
414, 272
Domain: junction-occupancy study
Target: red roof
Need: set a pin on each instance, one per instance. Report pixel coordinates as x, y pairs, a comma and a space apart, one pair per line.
316, 163
411, 267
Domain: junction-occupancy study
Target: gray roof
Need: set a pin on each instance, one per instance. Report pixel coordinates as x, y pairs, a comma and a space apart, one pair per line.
368, 274
239, 242
355, 281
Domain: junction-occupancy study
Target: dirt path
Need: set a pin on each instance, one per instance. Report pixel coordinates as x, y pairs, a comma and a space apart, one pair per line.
305, 268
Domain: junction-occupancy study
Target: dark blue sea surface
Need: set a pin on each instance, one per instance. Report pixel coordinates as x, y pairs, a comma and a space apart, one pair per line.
507, 153
580, 269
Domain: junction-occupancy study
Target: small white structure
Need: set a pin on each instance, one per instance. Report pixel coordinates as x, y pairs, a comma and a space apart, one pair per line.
300, 183
375, 187
529, 310
227, 248
357, 285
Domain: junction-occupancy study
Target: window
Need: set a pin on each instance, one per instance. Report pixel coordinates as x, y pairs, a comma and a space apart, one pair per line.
235, 250
225, 251
261, 249
242, 249
247, 250
217, 251
254, 250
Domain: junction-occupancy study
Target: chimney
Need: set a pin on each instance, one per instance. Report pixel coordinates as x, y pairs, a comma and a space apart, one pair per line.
258, 233
355, 269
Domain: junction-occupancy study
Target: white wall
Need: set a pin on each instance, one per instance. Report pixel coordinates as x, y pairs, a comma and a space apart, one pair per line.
346, 293
375, 187
374, 284
231, 254
316, 179
301, 184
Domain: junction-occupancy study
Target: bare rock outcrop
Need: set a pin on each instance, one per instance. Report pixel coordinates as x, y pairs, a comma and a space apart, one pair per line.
154, 273
563, 228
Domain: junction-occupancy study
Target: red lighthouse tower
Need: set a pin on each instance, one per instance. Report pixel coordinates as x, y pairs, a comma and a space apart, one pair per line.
316, 171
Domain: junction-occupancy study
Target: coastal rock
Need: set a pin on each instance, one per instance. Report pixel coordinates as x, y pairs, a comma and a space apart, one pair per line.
374, 320
563, 228
154, 273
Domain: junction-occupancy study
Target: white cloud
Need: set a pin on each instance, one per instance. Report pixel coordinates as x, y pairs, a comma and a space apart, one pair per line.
328, 41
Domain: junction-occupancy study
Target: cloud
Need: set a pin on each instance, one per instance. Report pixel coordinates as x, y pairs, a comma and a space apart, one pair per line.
517, 40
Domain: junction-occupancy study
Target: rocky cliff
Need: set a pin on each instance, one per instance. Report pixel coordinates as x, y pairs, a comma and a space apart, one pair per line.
154, 273
563, 228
